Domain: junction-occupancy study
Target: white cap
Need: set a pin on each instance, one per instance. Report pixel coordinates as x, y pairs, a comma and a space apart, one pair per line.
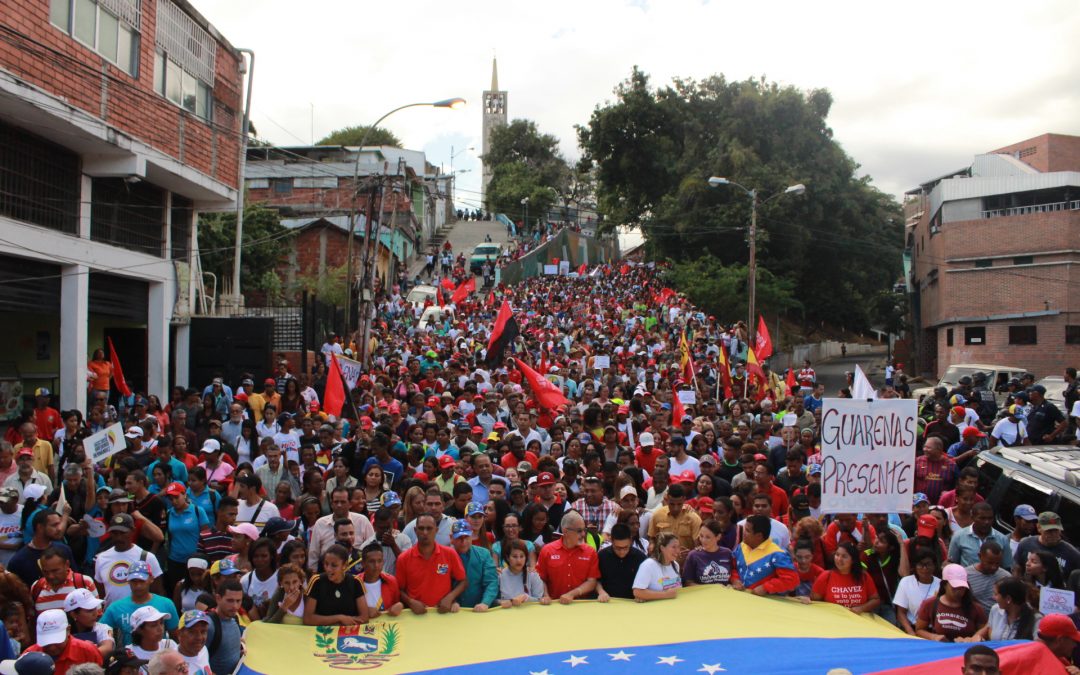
145, 614
646, 438
627, 490
81, 598
34, 491
790, 420
134, 432
52, 627
211, 445
532, 480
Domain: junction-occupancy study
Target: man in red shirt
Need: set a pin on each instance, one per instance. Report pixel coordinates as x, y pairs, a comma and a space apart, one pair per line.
57, 581
429, 574
46, 417
53, 639
846, 527
518, 454
645, 456
569, 568
765, 485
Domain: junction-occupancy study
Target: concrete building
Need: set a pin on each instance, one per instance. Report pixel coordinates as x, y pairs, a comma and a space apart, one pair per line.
495, 115
119, 123
993, 259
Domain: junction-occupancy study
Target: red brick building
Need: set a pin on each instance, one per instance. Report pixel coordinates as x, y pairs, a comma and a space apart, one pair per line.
994, 259
119, 123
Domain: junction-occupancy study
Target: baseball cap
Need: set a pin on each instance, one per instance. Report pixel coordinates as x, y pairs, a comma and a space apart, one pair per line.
224, 567
119, 496
959, 410
919, 498
626, 490
927, 526
134, 432
708, 458
1058, 625
391, 498
476, 430
545, 478
1048, 520
270, 381
705, 505
34, 491
646, 438
146, 614
246, 529
121, 522
800, 506
684, 477
30, 663
176, 489
81, 598
973, 432
139, 570
211, 445
460, 529
956, 575
193, 617
25, 452
524, 465
42, 391
123, 658
447, 462
1025, 511
814, 470
517, 487
276, 525
1039, 388
474, 508
8, 493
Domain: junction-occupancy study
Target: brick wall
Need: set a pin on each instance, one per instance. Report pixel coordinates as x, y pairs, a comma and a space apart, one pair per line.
325, 200
1053, 152
1048, 357
34, 50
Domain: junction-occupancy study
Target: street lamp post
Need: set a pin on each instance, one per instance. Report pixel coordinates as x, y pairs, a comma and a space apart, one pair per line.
455, 154
797, 189
525, 222
453, 103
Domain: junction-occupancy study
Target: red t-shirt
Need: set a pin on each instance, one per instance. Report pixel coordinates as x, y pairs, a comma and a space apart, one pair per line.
951, 622
429, 579
77, 651
811, 575
647, 462
564, 569
508, 460
843, 589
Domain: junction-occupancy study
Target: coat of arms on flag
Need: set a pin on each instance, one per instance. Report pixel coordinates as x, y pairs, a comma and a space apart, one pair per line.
357, 647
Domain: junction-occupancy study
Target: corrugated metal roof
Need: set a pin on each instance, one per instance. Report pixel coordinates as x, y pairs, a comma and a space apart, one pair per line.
279, 169
954, 189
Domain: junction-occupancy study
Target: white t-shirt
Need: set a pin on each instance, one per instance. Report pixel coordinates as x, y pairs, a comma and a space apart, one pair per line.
1012, 433
1075, 412
246, 513
689, 464
10, 532
146, 654
656, 577
373, 593
200, 663
111, 568
288, 442
910, 594
260, 592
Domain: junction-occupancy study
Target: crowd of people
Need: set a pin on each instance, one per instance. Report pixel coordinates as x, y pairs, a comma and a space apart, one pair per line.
446, 484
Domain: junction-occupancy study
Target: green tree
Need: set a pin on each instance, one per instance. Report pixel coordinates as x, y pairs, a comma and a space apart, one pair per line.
329, 287
355, 135
721, 290
525, 163
653, 151
264, 245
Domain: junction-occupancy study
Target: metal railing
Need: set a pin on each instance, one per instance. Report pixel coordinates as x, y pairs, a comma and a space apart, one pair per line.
1073, 205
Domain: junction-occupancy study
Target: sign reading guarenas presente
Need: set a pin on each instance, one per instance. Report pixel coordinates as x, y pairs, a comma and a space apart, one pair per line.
868, 455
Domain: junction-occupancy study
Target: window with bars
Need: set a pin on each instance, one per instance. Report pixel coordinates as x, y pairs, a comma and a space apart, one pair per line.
109, 27
129, 215
184, 60
1023, 335
39, 181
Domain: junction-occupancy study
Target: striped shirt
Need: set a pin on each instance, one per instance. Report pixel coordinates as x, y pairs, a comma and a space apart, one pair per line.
45, 597
215, 544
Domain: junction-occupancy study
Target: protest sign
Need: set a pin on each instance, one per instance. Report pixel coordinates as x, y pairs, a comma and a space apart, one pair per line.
1055, 601
601, 362
687, 396
868, 455
564, 267
350, 371
105, 443
551, 269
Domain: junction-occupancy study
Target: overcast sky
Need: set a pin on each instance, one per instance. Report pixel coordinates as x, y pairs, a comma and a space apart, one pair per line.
919, 87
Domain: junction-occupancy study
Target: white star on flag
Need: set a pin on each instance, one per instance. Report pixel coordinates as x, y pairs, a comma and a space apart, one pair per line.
576, 661
620, 656
669, 660
714, 668
542, 672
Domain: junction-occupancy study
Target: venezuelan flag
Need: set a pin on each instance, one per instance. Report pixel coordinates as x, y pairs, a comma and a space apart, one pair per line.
707, 629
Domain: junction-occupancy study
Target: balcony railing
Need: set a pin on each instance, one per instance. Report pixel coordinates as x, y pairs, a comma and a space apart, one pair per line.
1073, 205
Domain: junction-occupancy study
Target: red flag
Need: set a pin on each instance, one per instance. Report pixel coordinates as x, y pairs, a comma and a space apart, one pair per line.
677, 409
117, 371
335, 389
762, 342
581, 270
439, 297
491, 299
542, 366
546, 393
625, 269
725, 373
790, 380
555, 262
447, 283
753, 367
503, 334
463, 291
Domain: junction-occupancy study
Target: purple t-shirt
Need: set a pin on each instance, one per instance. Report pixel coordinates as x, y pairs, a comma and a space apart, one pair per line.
702, 567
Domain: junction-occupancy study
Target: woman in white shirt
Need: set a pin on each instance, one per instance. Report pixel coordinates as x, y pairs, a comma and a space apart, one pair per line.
148, 632
1011, 429
658, 578
916, 587
1011, 617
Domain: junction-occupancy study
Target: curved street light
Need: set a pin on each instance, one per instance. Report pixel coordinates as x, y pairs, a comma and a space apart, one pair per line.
796, 189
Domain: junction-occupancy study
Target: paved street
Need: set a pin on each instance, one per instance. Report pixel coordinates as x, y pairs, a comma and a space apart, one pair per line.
831, 372
465, 235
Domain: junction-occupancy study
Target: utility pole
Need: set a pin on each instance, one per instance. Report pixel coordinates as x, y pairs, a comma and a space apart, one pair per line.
245, 125
752, 270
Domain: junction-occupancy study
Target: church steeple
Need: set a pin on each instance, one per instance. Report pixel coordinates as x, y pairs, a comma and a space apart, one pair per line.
494, 74
495, 115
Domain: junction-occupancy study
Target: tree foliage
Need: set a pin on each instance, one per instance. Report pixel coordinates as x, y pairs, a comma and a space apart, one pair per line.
525, 163
721, 290
264, 244
653, 151
355, 136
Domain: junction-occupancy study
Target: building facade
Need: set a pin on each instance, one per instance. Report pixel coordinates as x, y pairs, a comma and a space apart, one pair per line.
119, 123
993, 259
495, 115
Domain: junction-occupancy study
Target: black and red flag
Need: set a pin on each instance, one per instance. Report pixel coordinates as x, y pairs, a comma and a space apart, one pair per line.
502, 335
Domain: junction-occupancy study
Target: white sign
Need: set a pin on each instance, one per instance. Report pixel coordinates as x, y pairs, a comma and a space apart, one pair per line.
601, 362
105, 443
564, 267
1055, 601
551, 269
350, 371
868, 455
687, 396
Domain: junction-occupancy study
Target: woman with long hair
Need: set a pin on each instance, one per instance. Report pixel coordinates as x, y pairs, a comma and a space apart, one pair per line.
194, 583
292, 401
518, 581
953, 613
915, 588
535, 526
632, 519
287, 605
477, 519
261, 583
1011, 617
885, 562
154, 408
99, 372
247, 443
413, 505
294, 552
658, 576
847, 584
810, 528
511, 527
373, 487
710, 563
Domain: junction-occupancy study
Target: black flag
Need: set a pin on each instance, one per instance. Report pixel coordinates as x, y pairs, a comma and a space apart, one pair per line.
502, 336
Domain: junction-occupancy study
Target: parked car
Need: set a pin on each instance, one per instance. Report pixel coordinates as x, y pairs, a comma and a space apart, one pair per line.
997, 377
434, 315
419, 295
1055, 391
484, 252
1045, 476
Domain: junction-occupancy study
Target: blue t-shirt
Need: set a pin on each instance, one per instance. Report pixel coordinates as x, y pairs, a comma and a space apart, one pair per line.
392, 468
184, 528
228, 653
179, 470
811, 404
118, 616
207, 501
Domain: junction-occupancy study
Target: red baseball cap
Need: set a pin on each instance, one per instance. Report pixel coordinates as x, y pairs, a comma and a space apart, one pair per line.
434, 401
705, 504
421, 476
366, 423
973, 432
477, 430
175, 489
26, 452
1058, 625
959, 410
684, 477
270, 381
545, 478
927, 526
446, 462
